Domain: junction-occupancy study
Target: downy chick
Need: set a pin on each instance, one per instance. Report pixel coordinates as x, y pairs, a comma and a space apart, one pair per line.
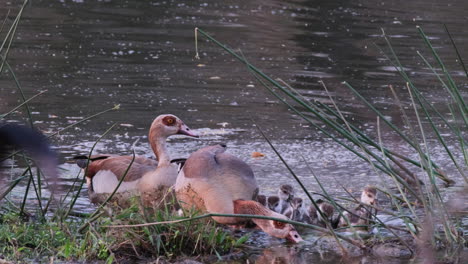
362, 214
296, 210
285, 195
327, 211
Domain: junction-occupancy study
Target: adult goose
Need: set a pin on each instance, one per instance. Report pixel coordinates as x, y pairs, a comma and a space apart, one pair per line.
216, 182
145, 177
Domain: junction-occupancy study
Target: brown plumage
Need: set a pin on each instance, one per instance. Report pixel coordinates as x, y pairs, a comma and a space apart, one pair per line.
118, 165
145, 176
216, 182
359, 218
326, 210
295, 210
285, 195
268, 201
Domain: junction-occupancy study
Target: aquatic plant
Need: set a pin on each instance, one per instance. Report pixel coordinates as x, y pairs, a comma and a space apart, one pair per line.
31, 230
414, 178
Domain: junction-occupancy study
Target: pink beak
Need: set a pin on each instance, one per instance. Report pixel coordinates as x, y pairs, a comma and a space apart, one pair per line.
185, 130
294, 237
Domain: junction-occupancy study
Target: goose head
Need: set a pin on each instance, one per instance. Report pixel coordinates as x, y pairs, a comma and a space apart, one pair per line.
369, 195
286, 192
297, 209
168, 125
326, 209
296, 203
281, 229
272, 227
163, 127
312, 211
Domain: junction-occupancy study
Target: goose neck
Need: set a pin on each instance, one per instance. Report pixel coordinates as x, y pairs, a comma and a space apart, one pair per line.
158, 144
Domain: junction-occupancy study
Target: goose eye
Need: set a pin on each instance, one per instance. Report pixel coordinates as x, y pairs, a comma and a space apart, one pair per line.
169, 121
279, 225
370, 196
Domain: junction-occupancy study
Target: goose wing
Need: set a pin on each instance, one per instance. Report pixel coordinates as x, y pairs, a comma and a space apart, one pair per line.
118, 165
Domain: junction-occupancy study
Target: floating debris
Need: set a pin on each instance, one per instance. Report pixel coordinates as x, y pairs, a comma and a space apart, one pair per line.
223, 124
74, 117
257, 154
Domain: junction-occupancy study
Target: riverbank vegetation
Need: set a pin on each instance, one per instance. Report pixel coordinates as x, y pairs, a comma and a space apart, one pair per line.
432, 221
75, 239
39, 226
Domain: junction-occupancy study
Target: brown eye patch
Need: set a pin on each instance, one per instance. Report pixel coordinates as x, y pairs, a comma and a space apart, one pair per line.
169, 121
279, 225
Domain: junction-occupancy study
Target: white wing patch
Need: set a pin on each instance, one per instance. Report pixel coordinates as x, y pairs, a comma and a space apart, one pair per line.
105, 181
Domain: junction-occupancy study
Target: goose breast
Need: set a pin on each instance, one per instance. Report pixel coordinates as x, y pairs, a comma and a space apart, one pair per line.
212, 179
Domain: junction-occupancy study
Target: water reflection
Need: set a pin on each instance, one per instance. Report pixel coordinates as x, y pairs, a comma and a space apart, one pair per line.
91, 55
303, 255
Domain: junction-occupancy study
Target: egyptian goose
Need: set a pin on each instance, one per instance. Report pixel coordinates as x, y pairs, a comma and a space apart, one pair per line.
362, 214
312, 217
327, 211
278, 203
216, 182
268, 201
296, 211
146, 176
285, 195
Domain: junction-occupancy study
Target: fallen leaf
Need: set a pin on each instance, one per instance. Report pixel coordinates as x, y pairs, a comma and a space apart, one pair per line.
257, 154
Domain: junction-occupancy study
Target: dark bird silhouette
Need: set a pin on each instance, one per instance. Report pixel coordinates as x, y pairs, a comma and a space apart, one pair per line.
17, 137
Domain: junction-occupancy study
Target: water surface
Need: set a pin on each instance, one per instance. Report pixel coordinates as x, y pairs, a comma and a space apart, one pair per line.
92, 55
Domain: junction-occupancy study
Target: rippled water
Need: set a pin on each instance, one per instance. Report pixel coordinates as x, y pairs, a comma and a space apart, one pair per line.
92, 55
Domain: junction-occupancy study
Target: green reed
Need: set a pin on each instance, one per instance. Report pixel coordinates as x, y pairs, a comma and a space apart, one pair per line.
402, 169
46, 229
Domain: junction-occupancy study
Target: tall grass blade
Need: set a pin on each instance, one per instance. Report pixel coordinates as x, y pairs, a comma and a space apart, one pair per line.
399, 69
23, 97
328, 224
4, 21
460, 60
295, 223
21, 105
10, 35
454, 88
75, 198
13, 184
327, 121
25, 197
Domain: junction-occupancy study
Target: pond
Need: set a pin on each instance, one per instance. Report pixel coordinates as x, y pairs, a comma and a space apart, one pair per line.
93, 55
